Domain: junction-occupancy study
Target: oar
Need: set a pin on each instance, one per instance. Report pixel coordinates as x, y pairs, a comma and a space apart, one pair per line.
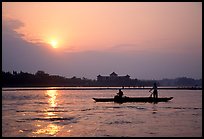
150, 94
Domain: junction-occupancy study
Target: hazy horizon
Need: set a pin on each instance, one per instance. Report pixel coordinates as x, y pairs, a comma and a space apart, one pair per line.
71, 76
150, 40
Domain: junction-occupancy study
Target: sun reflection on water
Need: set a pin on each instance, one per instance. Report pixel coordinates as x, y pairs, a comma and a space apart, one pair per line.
51, 129
49, 113
53, 95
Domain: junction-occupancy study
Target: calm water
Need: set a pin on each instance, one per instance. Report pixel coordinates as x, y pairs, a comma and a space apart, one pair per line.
74, 113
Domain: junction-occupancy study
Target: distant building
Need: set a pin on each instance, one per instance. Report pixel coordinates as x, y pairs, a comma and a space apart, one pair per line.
113, 77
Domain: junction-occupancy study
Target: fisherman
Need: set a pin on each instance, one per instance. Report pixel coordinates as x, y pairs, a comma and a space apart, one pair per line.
118, 97
120, 93
155, 92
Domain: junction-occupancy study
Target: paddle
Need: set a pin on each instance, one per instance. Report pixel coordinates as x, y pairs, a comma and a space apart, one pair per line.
151, 94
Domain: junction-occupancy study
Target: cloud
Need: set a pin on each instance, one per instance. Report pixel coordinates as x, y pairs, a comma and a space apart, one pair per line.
9, 27
125, 47
12, 24
17, 53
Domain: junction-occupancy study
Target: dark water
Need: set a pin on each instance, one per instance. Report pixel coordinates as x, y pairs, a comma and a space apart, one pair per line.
74, 113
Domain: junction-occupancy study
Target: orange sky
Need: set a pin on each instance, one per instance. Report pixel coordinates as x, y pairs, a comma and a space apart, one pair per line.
128, 29
100, 26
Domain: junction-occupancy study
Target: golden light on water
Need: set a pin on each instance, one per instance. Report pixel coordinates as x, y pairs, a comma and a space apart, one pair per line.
21, 131
52, 101
51, 129
53, 95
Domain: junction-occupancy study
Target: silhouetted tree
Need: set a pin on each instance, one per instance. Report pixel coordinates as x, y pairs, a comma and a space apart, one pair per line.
40, 78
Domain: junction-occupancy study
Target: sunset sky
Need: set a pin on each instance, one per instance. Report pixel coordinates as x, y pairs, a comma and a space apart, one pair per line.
144, 40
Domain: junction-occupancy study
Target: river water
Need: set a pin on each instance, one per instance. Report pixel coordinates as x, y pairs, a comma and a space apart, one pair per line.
73, 113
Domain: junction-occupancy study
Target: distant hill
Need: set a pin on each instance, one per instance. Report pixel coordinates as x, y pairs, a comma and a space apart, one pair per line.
181, 81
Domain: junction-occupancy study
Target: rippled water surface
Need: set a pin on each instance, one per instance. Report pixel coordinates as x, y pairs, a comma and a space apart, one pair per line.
28, 113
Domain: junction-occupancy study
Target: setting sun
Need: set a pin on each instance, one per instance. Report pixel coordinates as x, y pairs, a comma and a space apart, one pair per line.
54, 43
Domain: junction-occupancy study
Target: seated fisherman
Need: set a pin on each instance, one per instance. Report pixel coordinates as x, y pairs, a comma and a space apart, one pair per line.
120, 93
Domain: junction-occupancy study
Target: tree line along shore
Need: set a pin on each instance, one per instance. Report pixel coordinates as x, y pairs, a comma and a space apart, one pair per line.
43, 79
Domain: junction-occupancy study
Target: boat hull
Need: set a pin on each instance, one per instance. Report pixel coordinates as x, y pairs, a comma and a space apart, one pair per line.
134, 99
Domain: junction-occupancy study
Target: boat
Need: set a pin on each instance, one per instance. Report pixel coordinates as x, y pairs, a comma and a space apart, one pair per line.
133, 99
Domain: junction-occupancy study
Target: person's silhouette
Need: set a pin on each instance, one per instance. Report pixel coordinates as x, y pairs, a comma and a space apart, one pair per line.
155, 92
120, 93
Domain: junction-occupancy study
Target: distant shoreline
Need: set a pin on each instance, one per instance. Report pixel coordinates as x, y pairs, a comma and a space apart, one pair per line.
95, 88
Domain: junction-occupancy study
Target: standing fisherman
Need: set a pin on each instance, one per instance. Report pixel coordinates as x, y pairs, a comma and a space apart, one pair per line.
155, 92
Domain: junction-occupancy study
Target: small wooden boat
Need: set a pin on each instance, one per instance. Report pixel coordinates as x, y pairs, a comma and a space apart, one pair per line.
133, 99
